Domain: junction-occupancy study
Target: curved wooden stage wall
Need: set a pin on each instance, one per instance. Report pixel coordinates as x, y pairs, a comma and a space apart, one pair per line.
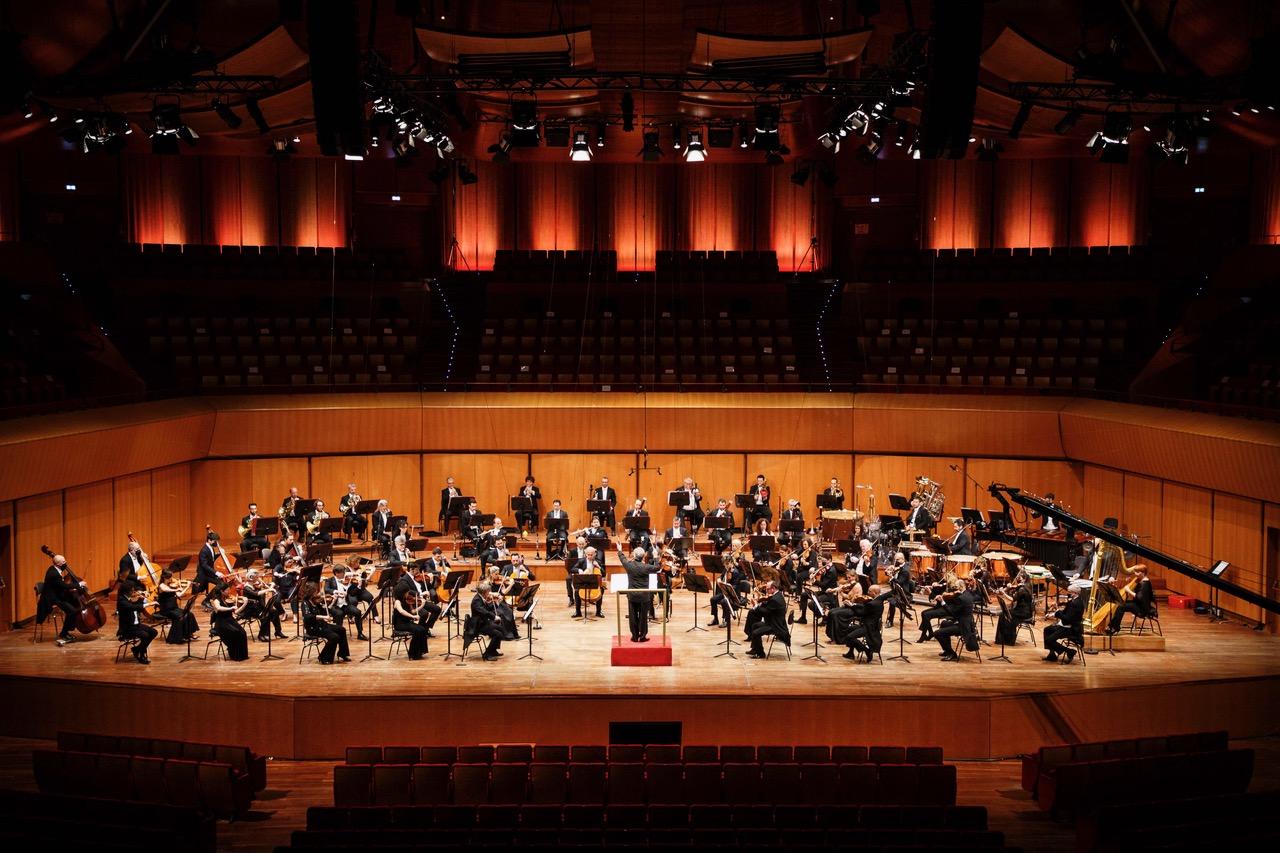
1201, 487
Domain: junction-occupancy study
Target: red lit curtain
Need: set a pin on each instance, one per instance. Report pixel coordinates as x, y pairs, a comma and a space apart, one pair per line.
1266, 199
1029, 205
955, 199
1107, 203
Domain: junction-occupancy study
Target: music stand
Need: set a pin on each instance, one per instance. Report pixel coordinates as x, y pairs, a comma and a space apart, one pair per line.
678, 498
698, 584
388, 577
1004, 612
733, 603
682, 546
601, 544
585, 582
1110, 595
186, 611
905, 606
717, 522
519, 506
528, 626
826, 501
819, 613
454, 510
266, 526
999, 521
746, 503
332, 525
554, 526
898, 502
633, 523
791, 525
179, 565
450, 612
603, 509
764, 544
245, 560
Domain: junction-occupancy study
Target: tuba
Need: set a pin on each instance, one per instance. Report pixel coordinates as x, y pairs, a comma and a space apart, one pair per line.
932, 497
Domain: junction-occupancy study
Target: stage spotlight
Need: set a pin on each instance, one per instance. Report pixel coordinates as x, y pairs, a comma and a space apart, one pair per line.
1067, 122
251, 107
677, 138
766, 127
581, 151
228, 116
281, 147
465, 175
800, 176
1112, 142
870, 150
652, 150
628, 112
600, 135
744, 135
1176, 144
1020, 120
169, 128
694, 152
501, 150
524, 123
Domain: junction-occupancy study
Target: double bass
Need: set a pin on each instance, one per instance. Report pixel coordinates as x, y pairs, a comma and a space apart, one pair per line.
90, 615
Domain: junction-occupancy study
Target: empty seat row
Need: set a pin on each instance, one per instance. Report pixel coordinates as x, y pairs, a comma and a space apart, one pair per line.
614, 783
651, 753
240, 757
1080, 787
1046, 758
61, 818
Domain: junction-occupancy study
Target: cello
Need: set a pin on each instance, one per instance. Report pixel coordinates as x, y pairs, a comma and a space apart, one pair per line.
90, 615
150, 577
234, 582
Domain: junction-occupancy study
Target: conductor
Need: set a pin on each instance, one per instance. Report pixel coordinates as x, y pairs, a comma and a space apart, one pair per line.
638, 596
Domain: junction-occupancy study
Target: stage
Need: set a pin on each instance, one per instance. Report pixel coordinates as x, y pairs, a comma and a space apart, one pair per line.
1210, 676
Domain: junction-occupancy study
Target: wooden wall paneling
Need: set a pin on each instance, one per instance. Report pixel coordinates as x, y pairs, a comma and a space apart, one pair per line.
1103, 493
133, 510
170, 507
1064, 479
221, 490
800, 476
1142, 515
396, 478
88, 538
567, 475
307, 424
811, 422
37, 521
270, 482
1270, 564
718, 475
12, 594
1186, 525
1238, 537
969, 426
490, 477
897, 474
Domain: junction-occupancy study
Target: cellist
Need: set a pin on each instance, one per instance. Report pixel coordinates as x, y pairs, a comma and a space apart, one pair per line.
58, 590
588, 565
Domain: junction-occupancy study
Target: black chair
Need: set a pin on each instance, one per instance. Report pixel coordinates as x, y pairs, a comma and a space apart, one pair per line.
399, 640
126, 644
470, 636
1030, 626
37, 628
310, 643
1141, 624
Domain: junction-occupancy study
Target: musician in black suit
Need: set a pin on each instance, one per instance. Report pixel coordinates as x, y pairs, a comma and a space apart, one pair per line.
639, 599
959, 623
1017, 610
447, 494
638, 538
207, 573
484, 620
400, 553
759, 508
691, 509
252, 540
318, 622
129, 609
283, 563
834, 491
901, 575
1070, 625
720, 537
821, 582
589, 564
289, 512
734, 577
959, 544
767, 619
791, 513
675, 535
471, 523
492, 545
352, 521
383, 529
528, 519
865, 636
919, 517
938, 611
1143, 603
572, 558
557, 531
606, 493
58, 590
132, 559
345, 600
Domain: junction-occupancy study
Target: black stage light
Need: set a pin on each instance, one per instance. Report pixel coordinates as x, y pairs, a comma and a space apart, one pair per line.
251, 107
227, 115
628, 112
652, 150
465, 175
800, 176
1067, 122
1024, 113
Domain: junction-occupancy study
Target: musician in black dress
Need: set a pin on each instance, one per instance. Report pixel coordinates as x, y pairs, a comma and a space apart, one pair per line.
721, 536
557, 531
223, 623
182, 625
759, 507
407, 619
1018, 609
130, 605
959, 623
735, 578
528, 519
59, 590
900, 575
767, 619
760, 550
1069, 625
606, 493
317, 622
865, 636
1143, 603
485, 620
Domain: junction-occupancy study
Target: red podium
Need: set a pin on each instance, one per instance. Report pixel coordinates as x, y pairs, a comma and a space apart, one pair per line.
656, 652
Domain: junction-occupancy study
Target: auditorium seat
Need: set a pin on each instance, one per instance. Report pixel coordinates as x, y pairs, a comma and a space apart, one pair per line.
549, 782
431, 783
470, 782
352, 784
587, 783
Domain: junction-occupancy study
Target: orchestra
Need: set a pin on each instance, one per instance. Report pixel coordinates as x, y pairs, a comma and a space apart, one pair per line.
762, 571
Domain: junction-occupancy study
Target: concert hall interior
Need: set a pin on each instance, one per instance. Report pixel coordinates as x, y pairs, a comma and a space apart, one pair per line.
364, 361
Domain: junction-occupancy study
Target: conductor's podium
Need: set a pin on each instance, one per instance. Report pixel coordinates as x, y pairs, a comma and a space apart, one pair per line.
623, 652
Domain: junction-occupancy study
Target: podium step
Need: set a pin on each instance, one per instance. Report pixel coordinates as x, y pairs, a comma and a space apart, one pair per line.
656, 652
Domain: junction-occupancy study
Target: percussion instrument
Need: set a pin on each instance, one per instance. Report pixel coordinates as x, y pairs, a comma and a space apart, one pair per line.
960, 565
923, 561
1002, 565
837, 524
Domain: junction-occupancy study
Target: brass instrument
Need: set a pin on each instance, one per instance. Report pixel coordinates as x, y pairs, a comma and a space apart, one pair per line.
286, 511
313, 524
931, 497
251, 530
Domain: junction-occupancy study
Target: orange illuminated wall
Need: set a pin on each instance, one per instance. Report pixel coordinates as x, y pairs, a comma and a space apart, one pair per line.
1266, 199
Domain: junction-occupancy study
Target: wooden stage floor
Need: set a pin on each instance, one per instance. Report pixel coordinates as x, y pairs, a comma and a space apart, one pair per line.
1210, 676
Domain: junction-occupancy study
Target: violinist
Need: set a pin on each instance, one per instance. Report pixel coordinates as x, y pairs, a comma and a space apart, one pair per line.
251, 539
557, 531
528, 519
721, 536
636, 537
357, 591
690, 512
767, 619
959, 544
1141, 605
130, 605
318, 623
338, 589
937, 611
223, 624
282, 562
407, 617
520, 573
736, 579
840, 614
400, 553
262, 603
864, 637
1069, 625
485, 620
416, 581
759, 507
182, 624
588, 565
959, 621
822, 580
353, 523
1018, 608
207, 573
900, 575
59, 590
864, 567
791, 513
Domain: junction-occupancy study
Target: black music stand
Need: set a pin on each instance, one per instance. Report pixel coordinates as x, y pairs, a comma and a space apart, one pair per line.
582, 582
603, 509
449, 613
717, 522
826, 501
186, 611
746, 503
1109, 595
1004, 611
631, 523
819, 613
999, 521
766, 544
321, 553
553, 526
898, 502
683, 546
414, 545
905, 606
527, 618
791, 525
330, 526
601, 544
699, 584
266, 526
734, 604
457, 579
519, 506
454, 509
388, 577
